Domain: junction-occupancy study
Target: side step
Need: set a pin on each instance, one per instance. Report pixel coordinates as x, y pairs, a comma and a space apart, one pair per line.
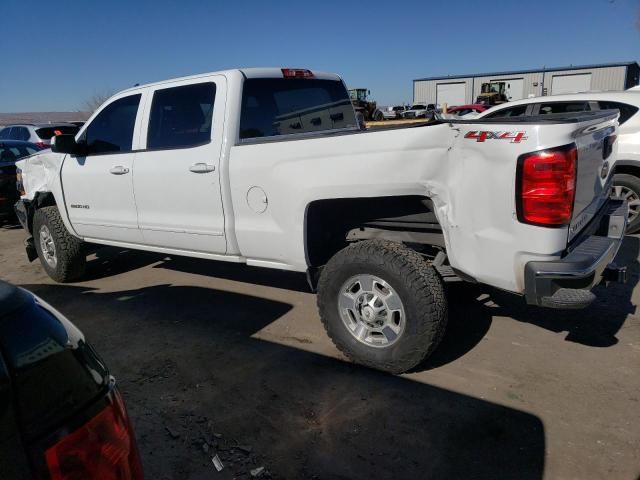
569, 298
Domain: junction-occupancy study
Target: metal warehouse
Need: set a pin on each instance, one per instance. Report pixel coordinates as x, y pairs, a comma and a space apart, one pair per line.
515, 85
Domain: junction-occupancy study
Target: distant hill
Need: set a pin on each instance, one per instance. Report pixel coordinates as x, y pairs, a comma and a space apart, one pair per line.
43, 117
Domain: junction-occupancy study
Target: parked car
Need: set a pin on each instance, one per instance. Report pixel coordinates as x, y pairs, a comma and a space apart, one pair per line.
38, 134
462, 110
393, 113
61, 414
10, 152
240, 166
419, 110
626, 181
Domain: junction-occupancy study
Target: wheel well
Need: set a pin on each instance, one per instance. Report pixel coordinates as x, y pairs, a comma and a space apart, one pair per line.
330, 225
628, 169
40, 200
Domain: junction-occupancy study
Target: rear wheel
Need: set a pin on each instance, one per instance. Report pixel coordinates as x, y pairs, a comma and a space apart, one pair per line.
60, 253
627, 187
382, 305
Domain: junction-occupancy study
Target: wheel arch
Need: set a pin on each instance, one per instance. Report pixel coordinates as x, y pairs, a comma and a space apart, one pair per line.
332, 224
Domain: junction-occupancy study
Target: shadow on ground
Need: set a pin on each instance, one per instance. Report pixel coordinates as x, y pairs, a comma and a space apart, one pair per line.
594, 326
192, 374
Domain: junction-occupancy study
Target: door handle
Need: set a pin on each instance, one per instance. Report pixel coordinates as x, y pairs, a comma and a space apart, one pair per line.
202, 168
119, 170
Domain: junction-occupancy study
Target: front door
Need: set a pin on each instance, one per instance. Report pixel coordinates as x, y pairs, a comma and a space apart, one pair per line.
177, 176
98, 187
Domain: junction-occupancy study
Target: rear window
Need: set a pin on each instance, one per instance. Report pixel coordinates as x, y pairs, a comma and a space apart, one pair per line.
46, 133
11, 153
564, 107
418, 107
284, 106
626, 111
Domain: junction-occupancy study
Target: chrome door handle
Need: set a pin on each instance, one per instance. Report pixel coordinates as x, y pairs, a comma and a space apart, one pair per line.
119, 170
202, 168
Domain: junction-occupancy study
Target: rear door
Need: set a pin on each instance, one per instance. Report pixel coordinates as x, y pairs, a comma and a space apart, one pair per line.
98, 187
177, 174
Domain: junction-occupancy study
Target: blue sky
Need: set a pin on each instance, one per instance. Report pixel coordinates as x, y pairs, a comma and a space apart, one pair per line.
57, 54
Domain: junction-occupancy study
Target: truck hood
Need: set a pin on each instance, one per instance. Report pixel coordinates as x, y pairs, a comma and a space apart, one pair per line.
39, 172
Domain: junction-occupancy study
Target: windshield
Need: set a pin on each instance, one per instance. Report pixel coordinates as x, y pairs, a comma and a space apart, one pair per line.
418, 107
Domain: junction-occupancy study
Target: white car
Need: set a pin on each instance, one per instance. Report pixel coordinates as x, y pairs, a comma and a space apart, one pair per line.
267, 167
626, 181
419, 110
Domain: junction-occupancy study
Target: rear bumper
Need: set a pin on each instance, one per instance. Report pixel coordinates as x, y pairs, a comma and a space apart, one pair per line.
566, 283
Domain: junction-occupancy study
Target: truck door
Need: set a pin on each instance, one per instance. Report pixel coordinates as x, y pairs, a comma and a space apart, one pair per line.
177, 175
98, 187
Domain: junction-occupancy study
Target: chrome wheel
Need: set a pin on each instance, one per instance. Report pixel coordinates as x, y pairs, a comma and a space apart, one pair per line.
633, 200
48, 247
371, 310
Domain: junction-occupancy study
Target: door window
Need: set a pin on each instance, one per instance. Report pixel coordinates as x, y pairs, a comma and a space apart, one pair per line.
518, 111
181, 117
4, 133
112, 130
564, 107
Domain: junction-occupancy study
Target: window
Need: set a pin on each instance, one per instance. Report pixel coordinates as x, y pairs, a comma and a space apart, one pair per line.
4, 133
518, 111
626, 111
282, 106
13, 153
181, 116
47, 133
112, 130
418, 106
563, 107
19, 133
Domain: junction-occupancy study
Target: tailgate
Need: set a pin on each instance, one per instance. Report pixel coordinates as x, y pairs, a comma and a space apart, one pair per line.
595, 142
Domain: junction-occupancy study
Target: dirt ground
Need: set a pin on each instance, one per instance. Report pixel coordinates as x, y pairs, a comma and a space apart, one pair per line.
223, 359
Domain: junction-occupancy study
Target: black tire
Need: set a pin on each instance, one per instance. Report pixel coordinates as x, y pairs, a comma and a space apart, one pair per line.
416, 283
70, 257
632, 183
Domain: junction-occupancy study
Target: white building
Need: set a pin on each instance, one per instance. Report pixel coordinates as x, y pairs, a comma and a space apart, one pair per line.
464, 89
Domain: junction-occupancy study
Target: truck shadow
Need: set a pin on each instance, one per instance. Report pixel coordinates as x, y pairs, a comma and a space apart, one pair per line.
594, 326
186, 360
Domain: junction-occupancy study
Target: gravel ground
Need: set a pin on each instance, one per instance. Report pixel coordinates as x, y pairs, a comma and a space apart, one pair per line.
221, 359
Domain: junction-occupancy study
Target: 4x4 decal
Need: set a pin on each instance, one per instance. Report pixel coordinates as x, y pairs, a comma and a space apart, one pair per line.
481, 136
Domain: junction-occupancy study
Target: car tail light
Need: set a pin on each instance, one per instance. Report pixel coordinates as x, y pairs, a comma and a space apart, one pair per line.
103, 448
546, 186
41, 145
296, 73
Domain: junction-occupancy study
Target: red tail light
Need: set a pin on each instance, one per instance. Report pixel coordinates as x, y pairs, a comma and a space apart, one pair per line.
546, 186
103, 448
42, 145
296, 73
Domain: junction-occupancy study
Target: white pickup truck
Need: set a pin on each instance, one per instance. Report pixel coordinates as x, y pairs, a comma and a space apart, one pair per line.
268, 167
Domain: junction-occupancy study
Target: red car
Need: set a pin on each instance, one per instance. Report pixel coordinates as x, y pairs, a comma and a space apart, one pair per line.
464, 109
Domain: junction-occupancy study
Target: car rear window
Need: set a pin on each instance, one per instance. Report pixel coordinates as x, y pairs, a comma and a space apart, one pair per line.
11, 153
626, 111
284, 106
516, 111
46, 133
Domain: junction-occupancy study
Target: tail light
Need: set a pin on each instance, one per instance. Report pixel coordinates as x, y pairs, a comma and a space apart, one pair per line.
546, 186
103, 448
41, 145
296, 73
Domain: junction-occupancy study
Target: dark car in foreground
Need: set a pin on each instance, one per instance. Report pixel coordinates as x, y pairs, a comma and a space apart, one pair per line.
61, 415
10, 152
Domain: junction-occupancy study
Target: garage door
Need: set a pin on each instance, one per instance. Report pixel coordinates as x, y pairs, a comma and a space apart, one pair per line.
451, 93
570, 83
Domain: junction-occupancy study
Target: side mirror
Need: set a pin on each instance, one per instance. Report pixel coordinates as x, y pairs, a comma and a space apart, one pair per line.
67, 144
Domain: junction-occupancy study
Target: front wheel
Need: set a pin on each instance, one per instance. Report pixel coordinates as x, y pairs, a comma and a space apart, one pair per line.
60, 253
382, 305
627, 187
